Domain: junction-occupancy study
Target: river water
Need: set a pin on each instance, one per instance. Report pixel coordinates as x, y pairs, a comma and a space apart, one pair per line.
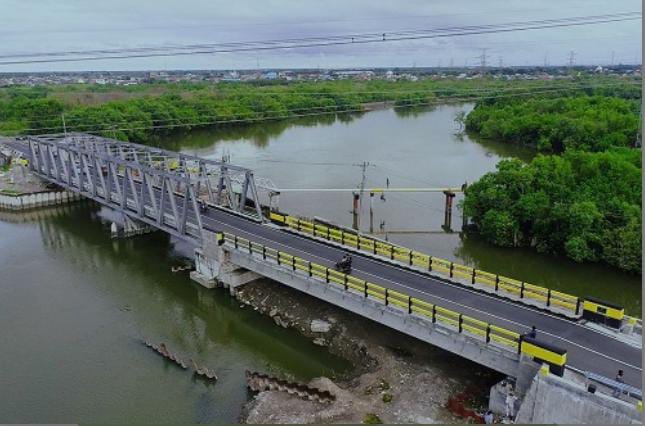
418, 148
75, 305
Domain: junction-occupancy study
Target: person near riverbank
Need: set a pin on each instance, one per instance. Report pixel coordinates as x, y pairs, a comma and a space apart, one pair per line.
489, 417
510, 405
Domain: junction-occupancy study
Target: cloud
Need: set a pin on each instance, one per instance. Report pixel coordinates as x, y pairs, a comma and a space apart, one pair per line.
49, 25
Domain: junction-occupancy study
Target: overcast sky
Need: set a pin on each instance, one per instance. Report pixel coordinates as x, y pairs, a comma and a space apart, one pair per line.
28, 26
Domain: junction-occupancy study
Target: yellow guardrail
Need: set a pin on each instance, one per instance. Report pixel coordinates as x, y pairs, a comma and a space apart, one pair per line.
413, 306
499, 284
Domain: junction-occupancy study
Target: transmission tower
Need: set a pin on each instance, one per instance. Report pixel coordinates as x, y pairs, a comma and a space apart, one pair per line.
482, 60
572, 58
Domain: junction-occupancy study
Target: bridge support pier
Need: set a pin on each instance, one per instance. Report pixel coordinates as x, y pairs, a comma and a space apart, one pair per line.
129, 228
213, 266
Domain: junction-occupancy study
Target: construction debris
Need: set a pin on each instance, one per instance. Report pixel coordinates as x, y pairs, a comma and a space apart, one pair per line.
261, 382
203, 371
175, 269
163, 350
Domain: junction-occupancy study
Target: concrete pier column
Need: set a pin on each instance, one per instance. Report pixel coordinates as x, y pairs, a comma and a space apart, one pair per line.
114, 230
133, 227
448, 210
129, 227
213, 266
356, 201
525, 373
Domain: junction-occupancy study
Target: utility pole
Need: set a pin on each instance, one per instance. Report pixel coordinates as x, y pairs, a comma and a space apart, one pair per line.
64, 126
546, 61
358, 198
363, 166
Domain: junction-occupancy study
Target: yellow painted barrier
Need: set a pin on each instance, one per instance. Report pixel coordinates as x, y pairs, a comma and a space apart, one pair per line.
447, 316
482, 277
440, 265
421, 260
604, 309
462, 271
540, 351
399, 299
412, 305
376, 291
499, 283
597, 310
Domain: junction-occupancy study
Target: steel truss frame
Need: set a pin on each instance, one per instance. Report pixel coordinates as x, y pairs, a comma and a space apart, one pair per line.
158, 187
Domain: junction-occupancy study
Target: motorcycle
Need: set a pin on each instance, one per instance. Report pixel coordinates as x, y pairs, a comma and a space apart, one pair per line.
344, 265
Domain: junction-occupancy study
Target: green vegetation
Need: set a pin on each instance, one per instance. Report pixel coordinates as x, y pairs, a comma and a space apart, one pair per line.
586, 206
583, 202
588, 123
387, 397
8, 191
372, 419
142, 113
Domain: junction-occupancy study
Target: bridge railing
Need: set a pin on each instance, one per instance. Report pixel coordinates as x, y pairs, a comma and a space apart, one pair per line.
461, 274
458, 322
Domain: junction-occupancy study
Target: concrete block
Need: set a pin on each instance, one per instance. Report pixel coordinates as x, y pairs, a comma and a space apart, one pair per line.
203, 280
320, 326
552, 399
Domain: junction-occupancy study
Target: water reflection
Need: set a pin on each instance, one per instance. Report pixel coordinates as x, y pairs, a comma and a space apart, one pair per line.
564, 275
76, 305
260, 134
203, 320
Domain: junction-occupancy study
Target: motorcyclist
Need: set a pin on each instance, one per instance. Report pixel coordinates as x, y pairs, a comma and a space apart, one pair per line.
345, 262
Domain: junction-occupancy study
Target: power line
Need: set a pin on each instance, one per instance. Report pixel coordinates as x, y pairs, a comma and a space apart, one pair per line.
319, 41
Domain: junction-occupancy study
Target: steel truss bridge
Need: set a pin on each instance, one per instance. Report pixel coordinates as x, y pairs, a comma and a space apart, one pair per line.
191, 198
162, 188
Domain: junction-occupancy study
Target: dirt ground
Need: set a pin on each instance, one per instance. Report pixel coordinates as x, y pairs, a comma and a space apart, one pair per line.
396, 378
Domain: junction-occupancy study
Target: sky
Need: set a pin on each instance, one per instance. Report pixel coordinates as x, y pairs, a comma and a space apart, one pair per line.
36, 26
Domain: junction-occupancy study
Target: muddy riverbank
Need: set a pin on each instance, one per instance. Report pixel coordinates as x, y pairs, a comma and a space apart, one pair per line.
395, 378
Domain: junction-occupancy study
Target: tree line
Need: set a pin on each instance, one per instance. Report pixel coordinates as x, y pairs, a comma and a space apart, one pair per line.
583, 198
141, 113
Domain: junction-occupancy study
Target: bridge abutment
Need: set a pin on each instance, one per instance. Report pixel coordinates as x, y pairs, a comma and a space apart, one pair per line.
213, 266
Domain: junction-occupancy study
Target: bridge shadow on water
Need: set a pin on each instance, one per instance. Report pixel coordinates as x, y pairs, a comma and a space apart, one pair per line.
102, 298
204, 319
